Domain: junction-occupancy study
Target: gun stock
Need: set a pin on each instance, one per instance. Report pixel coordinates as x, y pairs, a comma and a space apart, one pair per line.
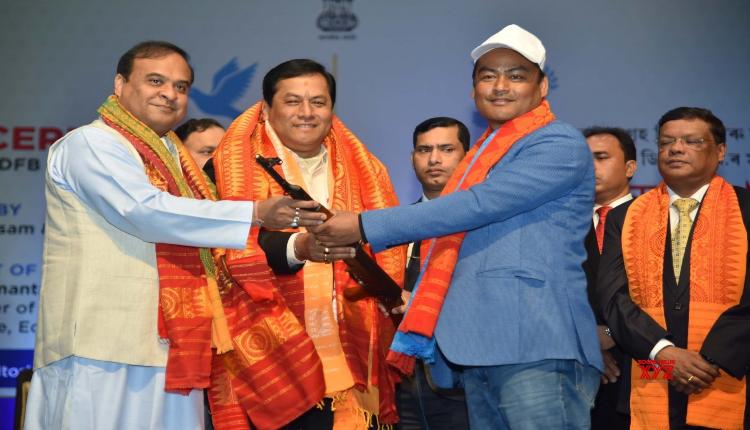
372, 281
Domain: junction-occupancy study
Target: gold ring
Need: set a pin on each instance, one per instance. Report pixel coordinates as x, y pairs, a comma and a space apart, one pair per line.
690, 379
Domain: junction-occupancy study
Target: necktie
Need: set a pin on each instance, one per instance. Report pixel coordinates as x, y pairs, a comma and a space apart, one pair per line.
681, 233
412, 267
602, 212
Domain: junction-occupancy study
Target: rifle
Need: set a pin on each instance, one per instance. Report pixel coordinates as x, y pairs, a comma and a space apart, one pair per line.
371, 279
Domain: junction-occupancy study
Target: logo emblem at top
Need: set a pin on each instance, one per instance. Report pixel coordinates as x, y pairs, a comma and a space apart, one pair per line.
337, 16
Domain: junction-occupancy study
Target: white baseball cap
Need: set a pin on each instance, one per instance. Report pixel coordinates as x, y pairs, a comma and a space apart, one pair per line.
517, 39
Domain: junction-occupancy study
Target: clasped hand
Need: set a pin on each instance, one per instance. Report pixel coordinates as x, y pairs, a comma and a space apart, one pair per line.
341, 229
283, 212
691, 372
306, 247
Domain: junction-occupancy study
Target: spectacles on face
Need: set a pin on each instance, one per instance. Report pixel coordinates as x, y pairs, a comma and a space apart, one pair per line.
692, 142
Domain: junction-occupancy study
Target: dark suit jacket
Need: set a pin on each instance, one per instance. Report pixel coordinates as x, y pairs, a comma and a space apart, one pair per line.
611, 408
726, 345
591, 266
412, 263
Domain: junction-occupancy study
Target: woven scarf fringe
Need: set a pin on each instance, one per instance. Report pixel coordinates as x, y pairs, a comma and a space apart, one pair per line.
343, 400
382, 426
339, 399
321, 404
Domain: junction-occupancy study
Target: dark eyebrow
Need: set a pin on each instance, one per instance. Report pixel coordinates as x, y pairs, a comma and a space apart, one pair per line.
156, 75
519, 68
486, 69
511, 69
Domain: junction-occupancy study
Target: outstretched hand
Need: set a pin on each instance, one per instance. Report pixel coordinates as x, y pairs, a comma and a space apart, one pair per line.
284, 212
341, 229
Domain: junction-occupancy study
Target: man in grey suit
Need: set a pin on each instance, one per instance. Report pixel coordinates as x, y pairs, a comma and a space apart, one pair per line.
513, 310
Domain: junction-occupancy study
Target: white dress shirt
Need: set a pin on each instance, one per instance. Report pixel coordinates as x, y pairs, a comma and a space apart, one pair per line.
315, 173
617, 202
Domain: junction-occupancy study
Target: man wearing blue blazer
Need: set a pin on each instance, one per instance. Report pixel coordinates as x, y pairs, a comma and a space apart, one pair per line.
503, 280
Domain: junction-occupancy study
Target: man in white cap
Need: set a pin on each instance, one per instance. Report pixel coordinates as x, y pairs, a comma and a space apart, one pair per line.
502, 291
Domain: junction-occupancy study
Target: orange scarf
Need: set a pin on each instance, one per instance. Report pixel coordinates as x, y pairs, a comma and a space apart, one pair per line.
190, 312
320, 317
425, 306
717, 275
275, 374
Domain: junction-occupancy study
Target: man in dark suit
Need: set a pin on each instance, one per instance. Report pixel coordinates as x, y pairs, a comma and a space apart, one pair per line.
614, 166
440, 143
673, 283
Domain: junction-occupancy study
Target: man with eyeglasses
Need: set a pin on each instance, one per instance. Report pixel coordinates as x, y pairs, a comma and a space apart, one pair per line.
673, 283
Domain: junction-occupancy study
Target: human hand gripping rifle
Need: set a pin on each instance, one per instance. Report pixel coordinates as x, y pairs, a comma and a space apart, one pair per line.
371, 279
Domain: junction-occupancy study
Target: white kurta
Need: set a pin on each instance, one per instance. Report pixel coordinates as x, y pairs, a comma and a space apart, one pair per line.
106, 177
79, 393
82, 393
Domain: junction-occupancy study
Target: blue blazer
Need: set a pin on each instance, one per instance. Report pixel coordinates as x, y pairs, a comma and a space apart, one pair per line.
518, 292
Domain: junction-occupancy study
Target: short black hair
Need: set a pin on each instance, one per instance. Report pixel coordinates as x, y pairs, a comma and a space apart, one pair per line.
292, 69
150, 49
443, 121
718, 130
194, 125
626, 141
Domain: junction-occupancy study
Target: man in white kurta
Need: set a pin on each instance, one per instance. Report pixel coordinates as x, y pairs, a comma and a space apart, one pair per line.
99, 362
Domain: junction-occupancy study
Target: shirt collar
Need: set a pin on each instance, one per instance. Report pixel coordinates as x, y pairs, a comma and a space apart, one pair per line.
310, 164
314, 163
626, 198
698, 195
